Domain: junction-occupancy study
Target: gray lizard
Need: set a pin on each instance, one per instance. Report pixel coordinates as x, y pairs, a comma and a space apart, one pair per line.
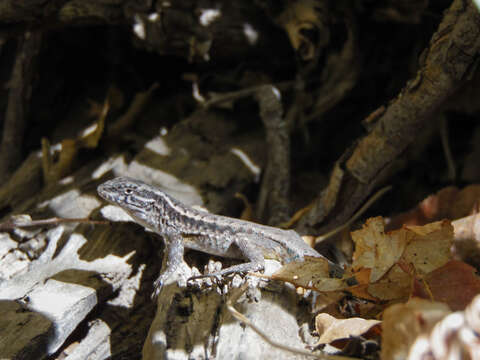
185, 227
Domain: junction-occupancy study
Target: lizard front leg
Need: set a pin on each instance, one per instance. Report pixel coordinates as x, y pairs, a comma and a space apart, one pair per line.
173, 258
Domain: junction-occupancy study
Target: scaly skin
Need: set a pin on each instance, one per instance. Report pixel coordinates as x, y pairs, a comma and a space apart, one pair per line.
182, 226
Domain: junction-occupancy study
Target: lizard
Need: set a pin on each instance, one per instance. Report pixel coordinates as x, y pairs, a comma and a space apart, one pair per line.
182, 227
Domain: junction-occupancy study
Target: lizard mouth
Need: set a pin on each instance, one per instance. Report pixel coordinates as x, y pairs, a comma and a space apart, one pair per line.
132, 201
106, 193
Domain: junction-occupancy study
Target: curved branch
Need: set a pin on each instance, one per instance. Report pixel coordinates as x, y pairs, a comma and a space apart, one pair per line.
446, 65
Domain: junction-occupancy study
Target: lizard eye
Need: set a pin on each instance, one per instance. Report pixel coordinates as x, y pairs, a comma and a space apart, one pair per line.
128, 191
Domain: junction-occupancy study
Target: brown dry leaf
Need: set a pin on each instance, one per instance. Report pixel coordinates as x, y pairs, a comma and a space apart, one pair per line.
91, 136
455, 284
53, 171
361, 291
67, 154
377, 250
429, 247
362, 277
360, 285
327, 302
331, 329
386, 266
396, 285
311, 273
397, 257
403, 323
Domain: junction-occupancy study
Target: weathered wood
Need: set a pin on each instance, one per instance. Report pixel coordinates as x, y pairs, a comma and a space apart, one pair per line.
98, 278
198, 325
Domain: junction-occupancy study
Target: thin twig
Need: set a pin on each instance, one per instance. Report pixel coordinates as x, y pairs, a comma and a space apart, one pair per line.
13, 223
137, 105
447, 152
355, 216
235, 95
240, 317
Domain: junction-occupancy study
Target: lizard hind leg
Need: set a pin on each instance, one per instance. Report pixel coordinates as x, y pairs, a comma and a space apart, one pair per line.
250, 252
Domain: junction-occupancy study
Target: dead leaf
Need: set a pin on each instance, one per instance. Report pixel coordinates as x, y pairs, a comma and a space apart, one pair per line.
396, 285
55, 170
403, 323
398, 258
91, 136
360, 287
377, 250
60, 165
327, 302
331, 329
454, 284
429, 247
312, 274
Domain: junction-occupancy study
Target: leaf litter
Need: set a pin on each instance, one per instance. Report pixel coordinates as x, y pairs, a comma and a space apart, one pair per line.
412, 275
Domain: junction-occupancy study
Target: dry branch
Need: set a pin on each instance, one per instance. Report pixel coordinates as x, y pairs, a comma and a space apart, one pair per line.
444, 68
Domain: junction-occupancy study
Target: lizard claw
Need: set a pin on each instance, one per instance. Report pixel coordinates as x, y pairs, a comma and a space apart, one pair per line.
157, 287
217, 279
161, 281
214, 276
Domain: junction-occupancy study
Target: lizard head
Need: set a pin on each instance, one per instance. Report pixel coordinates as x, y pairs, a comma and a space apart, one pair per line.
133, 196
